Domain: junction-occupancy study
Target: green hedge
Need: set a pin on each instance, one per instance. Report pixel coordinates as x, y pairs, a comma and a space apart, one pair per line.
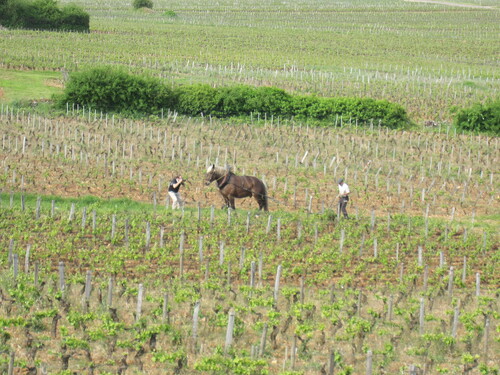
480, 118
114, 90
43, 15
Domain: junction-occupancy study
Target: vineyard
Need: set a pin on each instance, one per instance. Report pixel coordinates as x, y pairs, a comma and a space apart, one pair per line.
425, 57
99, 275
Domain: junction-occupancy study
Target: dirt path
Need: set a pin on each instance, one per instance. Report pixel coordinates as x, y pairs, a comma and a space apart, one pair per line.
451, 4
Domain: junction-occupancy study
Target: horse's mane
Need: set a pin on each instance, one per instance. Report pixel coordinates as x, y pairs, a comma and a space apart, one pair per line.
221, 171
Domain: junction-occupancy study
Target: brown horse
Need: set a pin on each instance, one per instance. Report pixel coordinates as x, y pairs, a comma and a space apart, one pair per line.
232, 186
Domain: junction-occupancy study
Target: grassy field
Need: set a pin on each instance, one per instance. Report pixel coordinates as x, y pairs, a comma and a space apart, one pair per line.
28, 85
427, 57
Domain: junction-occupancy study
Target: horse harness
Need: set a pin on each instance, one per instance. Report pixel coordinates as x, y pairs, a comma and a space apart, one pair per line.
225, 182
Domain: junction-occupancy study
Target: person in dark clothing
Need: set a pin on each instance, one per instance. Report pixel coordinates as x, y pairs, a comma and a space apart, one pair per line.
173, 192
343, 197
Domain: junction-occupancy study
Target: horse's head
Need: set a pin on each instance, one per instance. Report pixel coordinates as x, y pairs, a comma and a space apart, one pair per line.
210, 175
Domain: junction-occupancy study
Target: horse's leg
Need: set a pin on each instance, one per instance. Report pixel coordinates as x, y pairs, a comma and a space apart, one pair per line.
262, 202
231, 202
226, 201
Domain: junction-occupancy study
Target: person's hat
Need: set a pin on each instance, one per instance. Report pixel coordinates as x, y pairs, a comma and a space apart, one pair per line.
340, 180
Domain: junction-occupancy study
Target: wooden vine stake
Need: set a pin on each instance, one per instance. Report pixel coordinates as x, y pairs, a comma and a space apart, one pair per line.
229, 332
390, 307
165, 314
113, 226
71, 212
242, 258
478, 284
421, 317
252, 274
138, 310
109, 300
331, 362
194, 335
200, 249
262, 346
454, 326
84, 218
269, 220
277, 284
369, 356
293, 354
10, 370
27, 259
62, 285
451, 276
221, 253
413, 370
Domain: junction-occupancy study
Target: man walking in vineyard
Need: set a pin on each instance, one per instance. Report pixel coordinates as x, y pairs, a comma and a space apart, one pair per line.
173, 191
343, 197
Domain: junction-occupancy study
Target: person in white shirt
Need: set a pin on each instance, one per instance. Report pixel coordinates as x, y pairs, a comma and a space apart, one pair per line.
343, 197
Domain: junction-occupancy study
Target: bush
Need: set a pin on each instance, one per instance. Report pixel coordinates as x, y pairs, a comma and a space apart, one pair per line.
43, 15
270, 100
74, 18
142, 4
196, 99
234, 100
363, 110
114, 90
480, 118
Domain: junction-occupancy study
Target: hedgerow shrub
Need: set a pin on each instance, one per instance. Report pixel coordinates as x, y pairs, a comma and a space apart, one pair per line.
234, 100
480, 117
74, 18
361, 109
114, 90
194, 100
43, 15
271, 101
142, 4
